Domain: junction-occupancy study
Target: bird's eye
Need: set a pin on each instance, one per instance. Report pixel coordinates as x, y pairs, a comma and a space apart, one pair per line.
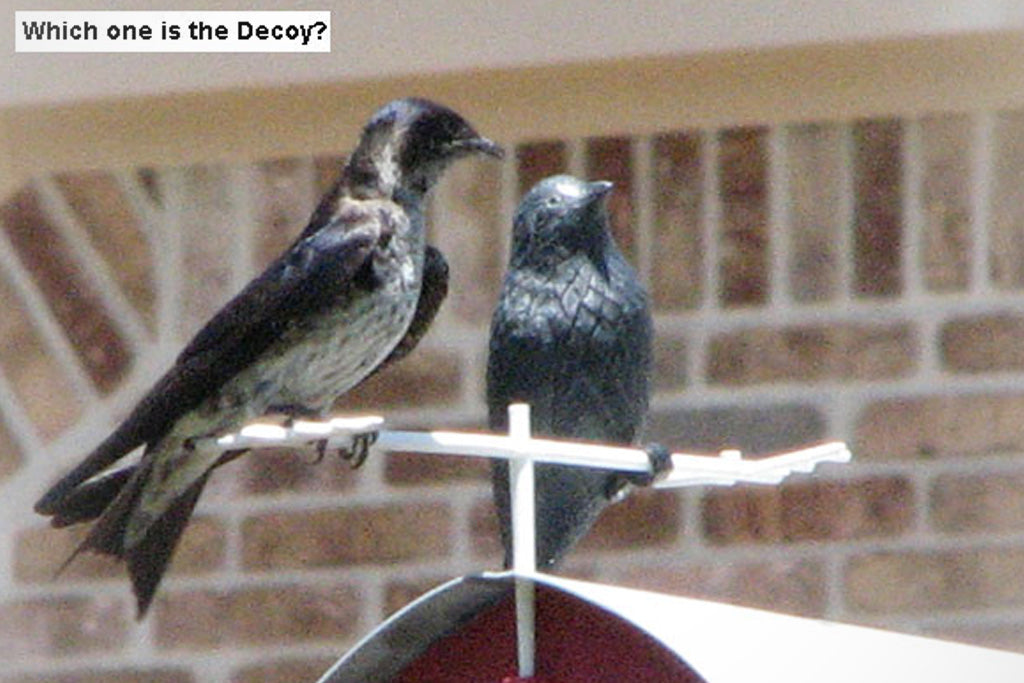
553, 201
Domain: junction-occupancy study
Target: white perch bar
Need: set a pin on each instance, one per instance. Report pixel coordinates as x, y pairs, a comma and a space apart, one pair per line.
687, 469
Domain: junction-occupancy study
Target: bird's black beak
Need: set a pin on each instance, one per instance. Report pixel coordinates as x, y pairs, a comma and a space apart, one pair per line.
483, 146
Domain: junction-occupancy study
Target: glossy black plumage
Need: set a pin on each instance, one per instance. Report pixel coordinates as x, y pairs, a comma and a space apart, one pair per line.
571, 336
356, 290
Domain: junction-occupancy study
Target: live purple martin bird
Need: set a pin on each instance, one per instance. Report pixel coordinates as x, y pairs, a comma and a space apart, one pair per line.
354, 292
571, 336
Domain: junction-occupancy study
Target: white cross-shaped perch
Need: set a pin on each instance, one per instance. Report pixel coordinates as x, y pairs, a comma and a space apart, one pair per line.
687, 469
523, 451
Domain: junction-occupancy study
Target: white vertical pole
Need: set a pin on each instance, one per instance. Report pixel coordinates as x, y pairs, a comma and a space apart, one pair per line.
524, 541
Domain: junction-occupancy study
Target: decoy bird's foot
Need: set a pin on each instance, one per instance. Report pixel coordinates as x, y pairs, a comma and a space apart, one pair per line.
661, 463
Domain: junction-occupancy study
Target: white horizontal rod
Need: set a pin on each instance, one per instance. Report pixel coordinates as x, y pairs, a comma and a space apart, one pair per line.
687, 469
498, 446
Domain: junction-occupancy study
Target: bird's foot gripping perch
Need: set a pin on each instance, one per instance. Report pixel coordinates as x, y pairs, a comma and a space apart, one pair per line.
661, 464
355, 435
356, 453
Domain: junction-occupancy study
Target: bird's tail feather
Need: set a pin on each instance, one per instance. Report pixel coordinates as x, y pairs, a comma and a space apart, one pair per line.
107, 535
147, 559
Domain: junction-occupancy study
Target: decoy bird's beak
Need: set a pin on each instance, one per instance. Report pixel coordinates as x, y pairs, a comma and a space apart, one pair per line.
599, 189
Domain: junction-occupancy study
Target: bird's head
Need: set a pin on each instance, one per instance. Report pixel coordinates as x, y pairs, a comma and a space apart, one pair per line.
560, 216
408, 143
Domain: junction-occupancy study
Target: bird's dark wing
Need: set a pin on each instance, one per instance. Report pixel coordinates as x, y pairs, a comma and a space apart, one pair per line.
521, 361
580, 355
315, 271
87, 501
603, 387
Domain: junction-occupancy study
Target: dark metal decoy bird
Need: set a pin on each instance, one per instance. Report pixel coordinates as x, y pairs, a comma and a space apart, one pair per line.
571, 336
355, 291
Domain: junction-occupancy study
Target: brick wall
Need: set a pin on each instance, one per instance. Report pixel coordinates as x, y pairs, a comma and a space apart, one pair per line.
856, 280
